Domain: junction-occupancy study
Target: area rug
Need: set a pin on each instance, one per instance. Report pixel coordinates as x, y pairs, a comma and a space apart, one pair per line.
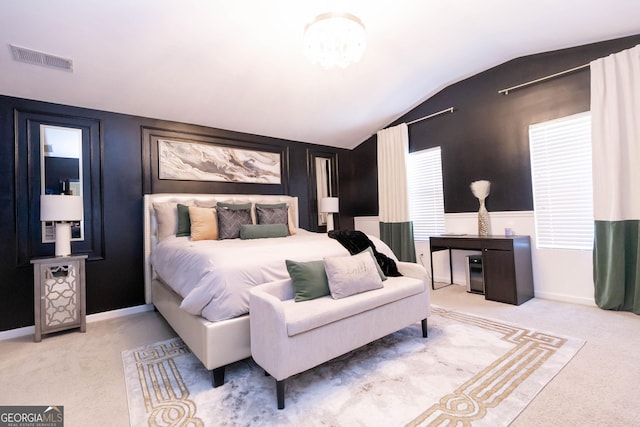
470, 371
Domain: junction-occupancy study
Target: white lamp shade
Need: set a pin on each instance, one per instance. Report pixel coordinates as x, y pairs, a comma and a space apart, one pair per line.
60, 207
329, 205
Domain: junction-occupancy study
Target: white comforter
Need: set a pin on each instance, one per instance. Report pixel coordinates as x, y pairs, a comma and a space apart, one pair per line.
214, 276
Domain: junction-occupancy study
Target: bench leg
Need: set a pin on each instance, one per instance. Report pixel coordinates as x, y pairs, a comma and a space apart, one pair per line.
425, 334
217, 376
280, 393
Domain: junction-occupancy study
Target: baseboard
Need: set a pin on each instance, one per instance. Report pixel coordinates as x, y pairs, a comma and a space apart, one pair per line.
97, 317
542, 295
566, 298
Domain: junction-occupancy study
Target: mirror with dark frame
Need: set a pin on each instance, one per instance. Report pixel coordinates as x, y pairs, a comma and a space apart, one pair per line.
45, 166
323, 182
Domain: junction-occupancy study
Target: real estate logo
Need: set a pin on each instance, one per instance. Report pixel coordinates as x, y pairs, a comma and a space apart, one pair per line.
31, 416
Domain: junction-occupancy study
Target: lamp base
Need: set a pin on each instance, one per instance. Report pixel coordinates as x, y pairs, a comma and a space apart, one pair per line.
63, 238
329, 222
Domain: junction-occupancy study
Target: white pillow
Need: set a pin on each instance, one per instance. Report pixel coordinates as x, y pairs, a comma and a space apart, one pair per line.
349, 275
167, 219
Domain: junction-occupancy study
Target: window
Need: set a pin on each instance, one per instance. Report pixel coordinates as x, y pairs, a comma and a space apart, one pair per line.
426, 199
562, 182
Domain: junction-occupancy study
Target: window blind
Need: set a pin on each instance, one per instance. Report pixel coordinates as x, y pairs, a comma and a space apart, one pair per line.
562, 182
426, 198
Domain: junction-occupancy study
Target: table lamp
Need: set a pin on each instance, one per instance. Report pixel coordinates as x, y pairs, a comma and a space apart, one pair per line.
329, 205
61, 209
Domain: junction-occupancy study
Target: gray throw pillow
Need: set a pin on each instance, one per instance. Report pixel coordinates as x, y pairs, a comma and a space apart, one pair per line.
230, 221
272, 215
234, 206
308, 278
271, 205
349, 275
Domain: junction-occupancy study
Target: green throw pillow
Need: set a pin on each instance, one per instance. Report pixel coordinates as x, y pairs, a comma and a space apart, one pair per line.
262, 231
309, 279
184, 221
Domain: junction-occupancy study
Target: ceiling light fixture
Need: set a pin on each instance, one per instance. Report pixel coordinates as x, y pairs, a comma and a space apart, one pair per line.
335, 39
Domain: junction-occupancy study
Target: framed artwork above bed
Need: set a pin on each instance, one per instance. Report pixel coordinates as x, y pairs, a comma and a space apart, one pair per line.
195, 161
177, 161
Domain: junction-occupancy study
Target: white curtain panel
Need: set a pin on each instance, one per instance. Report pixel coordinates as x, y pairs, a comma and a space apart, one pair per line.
615, 116
393, 149
615, 112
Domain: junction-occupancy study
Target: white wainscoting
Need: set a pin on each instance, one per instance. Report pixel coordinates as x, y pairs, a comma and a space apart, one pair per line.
562, 275
368, 225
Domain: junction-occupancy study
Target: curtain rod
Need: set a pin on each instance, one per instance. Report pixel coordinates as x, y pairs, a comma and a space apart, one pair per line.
571, 70
448, 110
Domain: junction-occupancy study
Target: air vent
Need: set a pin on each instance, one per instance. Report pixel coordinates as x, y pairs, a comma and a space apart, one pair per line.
40, 58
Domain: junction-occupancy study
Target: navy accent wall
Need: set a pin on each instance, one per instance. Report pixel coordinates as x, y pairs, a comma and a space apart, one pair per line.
114, 280
486, 137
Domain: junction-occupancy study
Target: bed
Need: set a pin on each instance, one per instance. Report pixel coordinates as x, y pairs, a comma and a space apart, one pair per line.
220, 339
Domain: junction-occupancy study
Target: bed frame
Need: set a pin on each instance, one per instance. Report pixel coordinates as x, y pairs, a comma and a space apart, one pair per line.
215, 344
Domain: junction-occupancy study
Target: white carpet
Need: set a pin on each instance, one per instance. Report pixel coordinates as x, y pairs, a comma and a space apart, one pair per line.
469, 371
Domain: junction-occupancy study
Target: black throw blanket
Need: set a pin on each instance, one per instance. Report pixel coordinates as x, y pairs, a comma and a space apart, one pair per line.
356, 241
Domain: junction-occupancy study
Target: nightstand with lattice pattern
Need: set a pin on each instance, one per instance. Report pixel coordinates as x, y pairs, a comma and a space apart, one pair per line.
59, 294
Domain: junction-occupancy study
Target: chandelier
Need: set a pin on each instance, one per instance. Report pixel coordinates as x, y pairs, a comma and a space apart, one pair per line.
334, 39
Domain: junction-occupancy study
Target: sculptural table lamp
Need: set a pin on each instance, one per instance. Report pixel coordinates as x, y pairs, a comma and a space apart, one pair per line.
61, 209
329, 205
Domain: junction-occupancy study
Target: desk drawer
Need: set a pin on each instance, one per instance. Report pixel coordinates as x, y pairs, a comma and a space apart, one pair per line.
499, 244
455, 243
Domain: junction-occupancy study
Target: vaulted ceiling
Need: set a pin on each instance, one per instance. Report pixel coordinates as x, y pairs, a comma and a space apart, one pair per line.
239, 64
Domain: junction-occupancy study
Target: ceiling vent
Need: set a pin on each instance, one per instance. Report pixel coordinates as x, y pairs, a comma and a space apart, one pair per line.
40, 58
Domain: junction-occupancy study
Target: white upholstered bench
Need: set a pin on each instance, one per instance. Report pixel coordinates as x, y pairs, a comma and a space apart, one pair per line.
289, 337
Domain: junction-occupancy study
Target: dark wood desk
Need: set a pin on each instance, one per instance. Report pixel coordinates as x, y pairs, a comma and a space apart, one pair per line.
506, 264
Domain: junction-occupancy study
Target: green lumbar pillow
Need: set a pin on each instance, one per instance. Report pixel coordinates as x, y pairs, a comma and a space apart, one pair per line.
263, 231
